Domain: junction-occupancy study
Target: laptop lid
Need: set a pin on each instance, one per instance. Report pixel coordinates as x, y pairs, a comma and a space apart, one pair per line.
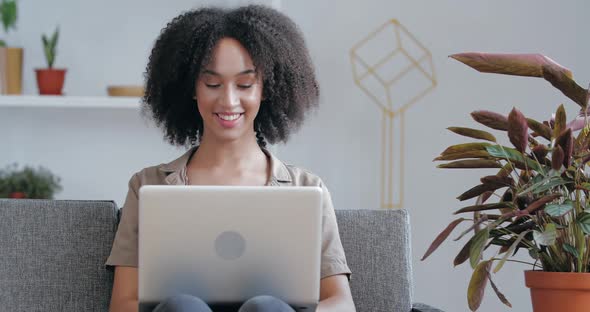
227, 244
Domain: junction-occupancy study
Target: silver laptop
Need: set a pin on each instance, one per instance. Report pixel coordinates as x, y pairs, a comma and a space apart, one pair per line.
226, 244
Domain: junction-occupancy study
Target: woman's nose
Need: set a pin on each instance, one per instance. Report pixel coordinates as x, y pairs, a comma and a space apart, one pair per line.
230, 97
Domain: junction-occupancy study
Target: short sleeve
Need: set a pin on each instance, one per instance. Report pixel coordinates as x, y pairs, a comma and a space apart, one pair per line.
124, 250
333, 257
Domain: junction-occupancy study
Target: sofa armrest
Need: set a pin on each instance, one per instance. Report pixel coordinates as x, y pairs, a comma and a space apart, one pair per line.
420, 307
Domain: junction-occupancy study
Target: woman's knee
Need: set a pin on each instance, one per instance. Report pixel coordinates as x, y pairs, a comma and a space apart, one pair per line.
182, 303
265, 304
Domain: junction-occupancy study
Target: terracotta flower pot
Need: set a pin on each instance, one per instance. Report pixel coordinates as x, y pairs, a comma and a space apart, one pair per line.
17, 195
556, 291
50, 81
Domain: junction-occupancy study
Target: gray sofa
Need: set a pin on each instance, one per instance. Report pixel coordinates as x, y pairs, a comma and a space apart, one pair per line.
53, 254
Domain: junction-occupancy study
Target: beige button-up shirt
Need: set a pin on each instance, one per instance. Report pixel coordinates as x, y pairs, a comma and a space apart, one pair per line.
124, 251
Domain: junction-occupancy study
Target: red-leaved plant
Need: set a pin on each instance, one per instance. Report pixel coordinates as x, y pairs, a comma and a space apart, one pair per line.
541, 183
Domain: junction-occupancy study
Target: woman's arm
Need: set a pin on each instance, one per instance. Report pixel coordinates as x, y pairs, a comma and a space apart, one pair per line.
335, 295
124, 296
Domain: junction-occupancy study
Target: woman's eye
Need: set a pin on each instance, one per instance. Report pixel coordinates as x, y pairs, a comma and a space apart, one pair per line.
244, 86
212, 85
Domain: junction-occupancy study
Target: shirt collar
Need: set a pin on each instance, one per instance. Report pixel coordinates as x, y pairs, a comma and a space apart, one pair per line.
176, 169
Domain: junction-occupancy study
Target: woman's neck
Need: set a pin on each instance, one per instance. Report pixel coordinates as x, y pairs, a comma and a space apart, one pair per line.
238, 154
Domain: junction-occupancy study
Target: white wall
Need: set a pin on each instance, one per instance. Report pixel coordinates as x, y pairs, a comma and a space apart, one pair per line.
95, 151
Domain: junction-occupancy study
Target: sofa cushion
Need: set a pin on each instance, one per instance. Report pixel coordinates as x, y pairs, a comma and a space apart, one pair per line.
53, 255
377, 246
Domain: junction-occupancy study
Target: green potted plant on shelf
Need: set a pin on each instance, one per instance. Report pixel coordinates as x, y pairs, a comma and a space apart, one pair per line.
50, 80
28, 182
535, 199
11, 58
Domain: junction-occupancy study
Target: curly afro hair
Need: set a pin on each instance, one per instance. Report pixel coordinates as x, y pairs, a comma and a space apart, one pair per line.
184, 47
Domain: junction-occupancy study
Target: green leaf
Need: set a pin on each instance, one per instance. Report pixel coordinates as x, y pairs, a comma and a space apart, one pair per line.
35, 183
46, 50
476, 224
54, 38
473, 133
49, 47
534, 254
546, 184
477, 284
48, 56
53, 46
510, 251
479, 241
547, 237
536, 179
572, 250
512, 155
584, 222
9, 14
558, 210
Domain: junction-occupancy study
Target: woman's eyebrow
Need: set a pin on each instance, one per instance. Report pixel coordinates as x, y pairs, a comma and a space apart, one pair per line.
214, 73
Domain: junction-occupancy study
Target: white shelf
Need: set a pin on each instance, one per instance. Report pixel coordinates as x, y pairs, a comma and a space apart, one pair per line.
54, 101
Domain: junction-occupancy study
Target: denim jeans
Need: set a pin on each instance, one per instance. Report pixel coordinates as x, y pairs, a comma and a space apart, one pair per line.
188, 303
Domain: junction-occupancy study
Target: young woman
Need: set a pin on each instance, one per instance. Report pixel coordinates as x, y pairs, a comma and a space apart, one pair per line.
226, 82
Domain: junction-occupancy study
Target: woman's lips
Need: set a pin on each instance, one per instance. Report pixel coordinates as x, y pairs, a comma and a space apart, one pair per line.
228, 120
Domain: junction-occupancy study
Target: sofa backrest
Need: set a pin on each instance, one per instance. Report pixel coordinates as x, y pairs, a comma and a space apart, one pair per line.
53, 255
377, 247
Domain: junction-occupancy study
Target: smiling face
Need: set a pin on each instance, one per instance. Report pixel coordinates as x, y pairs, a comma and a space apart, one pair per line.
228, 93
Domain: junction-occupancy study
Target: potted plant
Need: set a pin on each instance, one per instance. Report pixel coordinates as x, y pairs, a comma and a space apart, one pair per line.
11, 58
28, 182
50, 80
540, 188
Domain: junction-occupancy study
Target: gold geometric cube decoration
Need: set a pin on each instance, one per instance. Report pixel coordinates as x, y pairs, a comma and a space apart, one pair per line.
395, 70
